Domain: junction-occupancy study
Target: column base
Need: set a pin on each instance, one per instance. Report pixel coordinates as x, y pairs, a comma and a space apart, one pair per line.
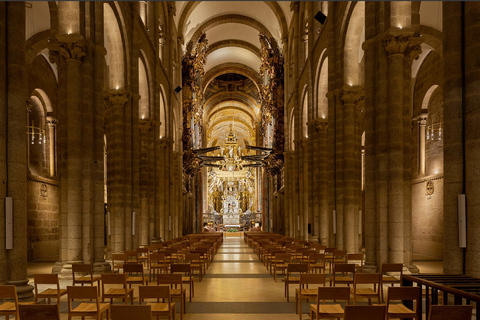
24, 290
370, 268
64, 269
410, 269
313, 239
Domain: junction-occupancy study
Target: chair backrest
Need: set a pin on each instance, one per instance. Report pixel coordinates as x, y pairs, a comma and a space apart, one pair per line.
297, 268
131, 253
157, 257
312, 278
38, 312
192, 257
367, 278
133, 268
340, 255
330, 250
114, 278
169, 278
365, 312
344, 268
355, 257
126, 312
48, 278
142, 250
333, 293
82, 268
392, 267
404, 293
8, 292
180, 267
450, 312
77, 292
283, 257
314, 257
153, 292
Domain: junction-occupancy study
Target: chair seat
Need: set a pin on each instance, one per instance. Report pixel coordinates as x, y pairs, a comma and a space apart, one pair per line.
117, 292
317, 265
7, 306
137, 279
281, 265
364, 292
52, 292
87, 279
291, 279
187, 279
157, 265
177, 292
344, 279
86, 307
334, 310
307, 292
399, 311
161, 307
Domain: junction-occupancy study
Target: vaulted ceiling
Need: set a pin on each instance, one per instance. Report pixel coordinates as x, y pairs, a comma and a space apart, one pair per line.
232, 76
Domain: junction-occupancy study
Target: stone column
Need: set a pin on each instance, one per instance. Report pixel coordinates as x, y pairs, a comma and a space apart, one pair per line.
71, 49
304, 213
145, 127
396, 45
472, 136
453, 144
115, 102
52, 124
313, 180
350, 96
421, 122
321, 189
13, 161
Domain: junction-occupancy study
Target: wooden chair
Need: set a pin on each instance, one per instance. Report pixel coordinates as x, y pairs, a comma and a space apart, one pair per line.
338, 256
290, 279
365, 312
187, 277
131, 255
373, 279
135, 275
329, 256
357, 259
389, 278
39, 312
321, 310
87, 277
9, 308
281, 262
345, 270
316, 261
396, 311
120, 312
113, 293
303, 292
174, 279
450, 312
86, 309
121, 259
195, 263
158, 308
142, 255
49, 293
157, 262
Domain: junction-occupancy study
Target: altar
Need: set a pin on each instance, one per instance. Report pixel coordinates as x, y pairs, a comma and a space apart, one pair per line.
231, 211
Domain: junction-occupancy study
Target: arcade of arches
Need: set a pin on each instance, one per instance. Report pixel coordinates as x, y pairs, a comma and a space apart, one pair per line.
124, 123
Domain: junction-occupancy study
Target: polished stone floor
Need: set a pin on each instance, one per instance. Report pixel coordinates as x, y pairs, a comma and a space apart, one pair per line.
236, 286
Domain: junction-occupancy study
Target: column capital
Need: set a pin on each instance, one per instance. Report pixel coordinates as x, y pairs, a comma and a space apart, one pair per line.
352, 94
68, 47
145, 125
51, 121
116, 98
404, 44
422, 118
318, 124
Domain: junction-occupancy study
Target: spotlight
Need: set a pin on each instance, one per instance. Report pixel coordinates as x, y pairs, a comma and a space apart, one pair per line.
178, 89
320, 17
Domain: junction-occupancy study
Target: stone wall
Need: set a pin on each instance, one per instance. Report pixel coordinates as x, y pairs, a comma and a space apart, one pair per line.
43, 220
427, 220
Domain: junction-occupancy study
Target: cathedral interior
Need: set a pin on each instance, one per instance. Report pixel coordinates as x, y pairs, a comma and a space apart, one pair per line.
163, 127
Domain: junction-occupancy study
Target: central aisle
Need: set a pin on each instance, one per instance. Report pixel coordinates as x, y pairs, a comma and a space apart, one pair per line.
238, 286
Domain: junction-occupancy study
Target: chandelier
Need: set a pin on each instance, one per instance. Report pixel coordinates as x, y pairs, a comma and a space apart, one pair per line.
33, 132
